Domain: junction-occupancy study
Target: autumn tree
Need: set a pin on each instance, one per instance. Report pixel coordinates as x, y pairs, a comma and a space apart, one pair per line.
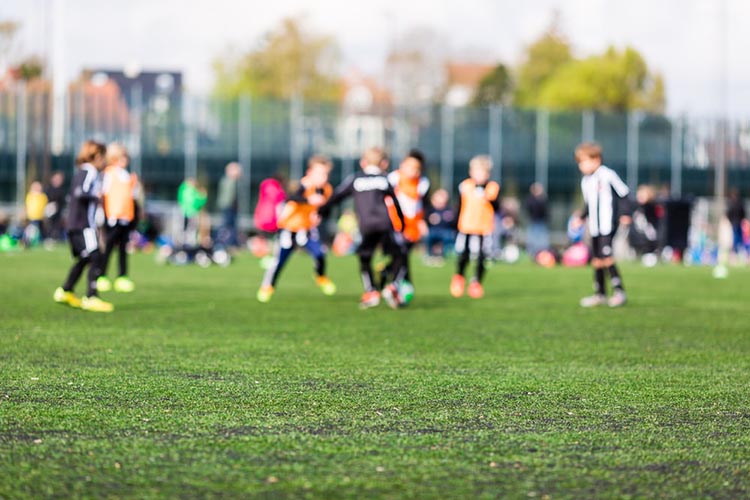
494, 88
288, 61
542, 60
615, 81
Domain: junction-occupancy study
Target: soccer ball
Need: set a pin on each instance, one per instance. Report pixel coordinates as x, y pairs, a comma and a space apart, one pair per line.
405, 292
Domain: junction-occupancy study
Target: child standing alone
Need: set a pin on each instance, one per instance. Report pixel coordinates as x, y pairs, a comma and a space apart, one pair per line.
479, 200
603, 190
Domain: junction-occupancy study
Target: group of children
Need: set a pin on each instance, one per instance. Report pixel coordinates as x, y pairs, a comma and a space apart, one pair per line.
100, 181
390, 211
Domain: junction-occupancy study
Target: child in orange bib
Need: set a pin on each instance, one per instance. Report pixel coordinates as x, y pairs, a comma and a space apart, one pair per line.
479, 200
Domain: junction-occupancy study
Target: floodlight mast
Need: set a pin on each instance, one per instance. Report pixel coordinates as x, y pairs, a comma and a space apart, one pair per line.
720, 174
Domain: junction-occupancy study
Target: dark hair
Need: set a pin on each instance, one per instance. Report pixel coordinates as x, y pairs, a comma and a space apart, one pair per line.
89, 151
417, 155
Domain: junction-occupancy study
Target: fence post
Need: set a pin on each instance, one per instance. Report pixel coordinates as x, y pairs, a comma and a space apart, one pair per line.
634, 119
675, 180
21, 145
496, 141
245, 153
446, 147
588, 126
135, 146
542, 148
191, 146
295, 139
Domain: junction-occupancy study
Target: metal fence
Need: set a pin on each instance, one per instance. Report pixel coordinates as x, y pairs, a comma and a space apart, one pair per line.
190, 136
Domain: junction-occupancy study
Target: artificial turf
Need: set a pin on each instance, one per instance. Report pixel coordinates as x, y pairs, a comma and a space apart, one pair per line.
193, 389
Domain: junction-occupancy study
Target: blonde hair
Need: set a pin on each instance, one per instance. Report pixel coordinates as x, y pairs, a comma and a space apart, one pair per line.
374, 156
115, 153
589, 150
320, 160
89, 151
481, 161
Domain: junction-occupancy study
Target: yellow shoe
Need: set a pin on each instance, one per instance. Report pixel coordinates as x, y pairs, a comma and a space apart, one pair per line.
123, 284
103, 284
68, 298
265, 293
95, 304
326, 285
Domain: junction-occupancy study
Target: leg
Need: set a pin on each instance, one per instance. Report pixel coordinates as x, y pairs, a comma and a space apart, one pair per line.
365, 251
463, 252
74, 274
93, 274
123, 249
284, 247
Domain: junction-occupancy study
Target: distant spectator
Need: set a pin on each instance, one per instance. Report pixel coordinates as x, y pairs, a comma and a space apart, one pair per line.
736, 215
36, 201
643, 235
227, 202
441, 224
191, 199
55, 192
537, 235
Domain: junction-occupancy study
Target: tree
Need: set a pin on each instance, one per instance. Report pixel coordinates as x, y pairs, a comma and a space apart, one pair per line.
543, 58
288, 61
494, 88
616, 81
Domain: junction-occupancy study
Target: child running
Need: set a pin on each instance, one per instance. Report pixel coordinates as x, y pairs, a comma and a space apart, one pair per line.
479, 200
373, 195
298, 224
602, 192
411, 189
118, 196
85, 192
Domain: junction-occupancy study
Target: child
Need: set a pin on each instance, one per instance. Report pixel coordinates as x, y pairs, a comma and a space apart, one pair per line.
601, 188
118, 194
372, 195
298, 227
85, 190
411, 190
441, 222
479, 200
36, 201
191, 199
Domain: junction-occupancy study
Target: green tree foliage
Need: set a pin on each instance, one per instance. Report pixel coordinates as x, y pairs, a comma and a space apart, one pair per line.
288, 61
615, 81
544, 58
494, 88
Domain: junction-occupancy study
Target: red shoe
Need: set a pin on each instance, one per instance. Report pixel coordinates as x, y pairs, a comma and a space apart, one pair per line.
457, 285
369, 299
476, 291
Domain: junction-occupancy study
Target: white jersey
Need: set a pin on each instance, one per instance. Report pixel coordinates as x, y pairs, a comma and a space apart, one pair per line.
600, 192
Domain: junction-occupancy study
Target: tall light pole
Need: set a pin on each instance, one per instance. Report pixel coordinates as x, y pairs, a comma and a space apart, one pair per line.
58, 76
720, 174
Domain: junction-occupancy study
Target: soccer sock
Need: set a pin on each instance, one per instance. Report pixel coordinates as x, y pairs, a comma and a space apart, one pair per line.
94, 273
74, 274
480, 267
615, 278
366, 273
463, 261
599, 287
320, 266
124, 251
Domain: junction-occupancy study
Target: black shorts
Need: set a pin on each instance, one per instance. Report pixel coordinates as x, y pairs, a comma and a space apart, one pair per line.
83, 242
391, 243
602, 246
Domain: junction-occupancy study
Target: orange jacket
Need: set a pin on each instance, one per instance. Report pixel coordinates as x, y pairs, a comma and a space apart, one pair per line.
477, 214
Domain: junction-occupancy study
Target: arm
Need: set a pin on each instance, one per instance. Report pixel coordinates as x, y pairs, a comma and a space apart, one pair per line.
342, 191
89, 188
392, 194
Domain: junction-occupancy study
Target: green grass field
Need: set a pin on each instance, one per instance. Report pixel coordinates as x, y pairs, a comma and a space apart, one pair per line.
193, 389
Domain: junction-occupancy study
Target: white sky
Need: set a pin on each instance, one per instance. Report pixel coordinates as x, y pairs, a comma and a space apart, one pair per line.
680, 38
